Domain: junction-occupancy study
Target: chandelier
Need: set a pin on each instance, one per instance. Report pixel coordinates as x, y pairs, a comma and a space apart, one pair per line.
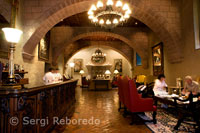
98, 57
109, 14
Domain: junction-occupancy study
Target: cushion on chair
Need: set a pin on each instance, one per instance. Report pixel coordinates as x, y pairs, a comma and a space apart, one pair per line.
120, 89
126, 91
138, 104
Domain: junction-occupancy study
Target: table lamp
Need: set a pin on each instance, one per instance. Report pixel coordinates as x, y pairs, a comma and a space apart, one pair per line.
116, 72
107, 73
12, 35
81, 72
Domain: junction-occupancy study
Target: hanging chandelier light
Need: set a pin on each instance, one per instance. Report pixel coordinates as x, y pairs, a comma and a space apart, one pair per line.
98, 57
109, 14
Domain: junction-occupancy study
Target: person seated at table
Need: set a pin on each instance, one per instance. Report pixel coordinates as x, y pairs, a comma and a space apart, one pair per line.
49, 77
190, 86
160, 85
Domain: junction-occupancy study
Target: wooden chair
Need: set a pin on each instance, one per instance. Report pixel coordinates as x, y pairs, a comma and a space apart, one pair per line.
190, 110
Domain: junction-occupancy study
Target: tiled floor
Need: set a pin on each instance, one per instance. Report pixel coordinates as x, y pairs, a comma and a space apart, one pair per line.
101, 106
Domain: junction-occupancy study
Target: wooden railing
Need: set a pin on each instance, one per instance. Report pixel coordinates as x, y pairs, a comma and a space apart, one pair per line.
18, 107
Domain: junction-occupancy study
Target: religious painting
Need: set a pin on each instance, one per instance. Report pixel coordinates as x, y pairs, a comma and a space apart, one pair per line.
118, 64
138, 60
43, 48
78, 65
197, 23
158, 62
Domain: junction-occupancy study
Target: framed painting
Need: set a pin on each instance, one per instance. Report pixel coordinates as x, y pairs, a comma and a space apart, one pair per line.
138, 60
78, 65
43, 48
158, 61
118, 64
197, 23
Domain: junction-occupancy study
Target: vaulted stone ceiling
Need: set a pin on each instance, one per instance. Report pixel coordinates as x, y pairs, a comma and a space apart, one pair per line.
81, 20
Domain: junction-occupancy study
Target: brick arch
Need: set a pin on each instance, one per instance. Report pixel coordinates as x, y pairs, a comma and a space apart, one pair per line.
108, 34
153, 20
72, 53
140, 50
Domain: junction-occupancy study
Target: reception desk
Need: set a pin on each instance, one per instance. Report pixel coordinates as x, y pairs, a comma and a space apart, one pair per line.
36, 102
100, 84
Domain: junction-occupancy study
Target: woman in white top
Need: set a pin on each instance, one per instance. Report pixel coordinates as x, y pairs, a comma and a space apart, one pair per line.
160, 85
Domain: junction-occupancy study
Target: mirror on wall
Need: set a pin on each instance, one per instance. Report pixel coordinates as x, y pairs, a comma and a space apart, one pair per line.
98, 57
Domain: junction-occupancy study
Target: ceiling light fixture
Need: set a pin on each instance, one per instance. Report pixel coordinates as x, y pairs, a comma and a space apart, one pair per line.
109, 14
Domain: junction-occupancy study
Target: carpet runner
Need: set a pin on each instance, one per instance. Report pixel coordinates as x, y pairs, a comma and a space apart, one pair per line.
166, 122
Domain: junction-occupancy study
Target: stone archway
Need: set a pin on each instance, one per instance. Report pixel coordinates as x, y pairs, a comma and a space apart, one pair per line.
77, 47
103, 48
131, 43
153, 20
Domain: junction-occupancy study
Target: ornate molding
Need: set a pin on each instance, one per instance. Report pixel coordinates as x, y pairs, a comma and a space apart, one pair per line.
4, 105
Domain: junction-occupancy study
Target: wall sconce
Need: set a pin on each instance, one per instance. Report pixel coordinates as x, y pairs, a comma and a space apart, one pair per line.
12, 35
71, 66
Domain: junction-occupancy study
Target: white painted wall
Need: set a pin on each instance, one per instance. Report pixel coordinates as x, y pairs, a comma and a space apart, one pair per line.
86, 54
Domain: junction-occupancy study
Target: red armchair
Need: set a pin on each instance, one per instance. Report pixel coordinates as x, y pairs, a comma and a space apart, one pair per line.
120, 92
137, 103
126, 92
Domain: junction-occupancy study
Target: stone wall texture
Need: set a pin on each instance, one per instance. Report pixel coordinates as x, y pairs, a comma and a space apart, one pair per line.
161, 16
171, 21
5, 9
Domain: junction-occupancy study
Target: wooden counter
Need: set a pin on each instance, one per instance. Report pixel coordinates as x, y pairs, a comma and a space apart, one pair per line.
36, 102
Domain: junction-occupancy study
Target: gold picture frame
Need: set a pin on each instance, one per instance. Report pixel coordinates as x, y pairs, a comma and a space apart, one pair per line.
158, 59
78, 65
43, 48
118, 65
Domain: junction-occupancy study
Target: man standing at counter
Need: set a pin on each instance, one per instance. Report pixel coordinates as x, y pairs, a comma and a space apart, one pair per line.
57, 75
49, 77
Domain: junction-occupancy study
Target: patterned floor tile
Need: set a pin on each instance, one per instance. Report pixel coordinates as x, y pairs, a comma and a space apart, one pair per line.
101, 108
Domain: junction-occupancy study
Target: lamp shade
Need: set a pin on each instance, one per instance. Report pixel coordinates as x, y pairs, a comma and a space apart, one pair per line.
71, 64
116, 72
12, 35
107, 72
81, 72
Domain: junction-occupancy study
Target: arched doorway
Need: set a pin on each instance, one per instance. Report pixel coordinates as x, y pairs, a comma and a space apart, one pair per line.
111, 56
